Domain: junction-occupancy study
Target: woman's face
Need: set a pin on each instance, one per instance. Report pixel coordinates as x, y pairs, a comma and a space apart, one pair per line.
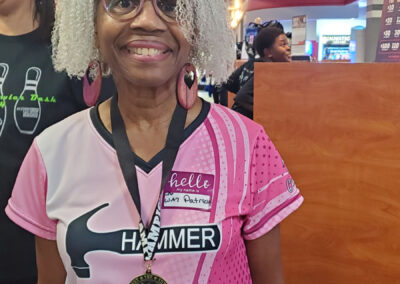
146, 51
280, 51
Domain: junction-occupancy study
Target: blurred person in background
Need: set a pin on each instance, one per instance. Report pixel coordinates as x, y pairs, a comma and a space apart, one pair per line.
272, 45
244, 72
32, 97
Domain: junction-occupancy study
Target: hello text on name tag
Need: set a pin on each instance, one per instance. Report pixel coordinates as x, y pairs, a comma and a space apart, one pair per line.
188, 191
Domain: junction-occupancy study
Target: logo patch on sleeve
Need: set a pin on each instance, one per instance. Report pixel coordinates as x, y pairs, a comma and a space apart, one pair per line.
188, 191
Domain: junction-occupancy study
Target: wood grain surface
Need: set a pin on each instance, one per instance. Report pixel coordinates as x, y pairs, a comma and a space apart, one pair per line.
337, 127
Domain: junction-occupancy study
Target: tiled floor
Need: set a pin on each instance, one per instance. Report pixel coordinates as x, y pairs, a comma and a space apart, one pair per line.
204, 95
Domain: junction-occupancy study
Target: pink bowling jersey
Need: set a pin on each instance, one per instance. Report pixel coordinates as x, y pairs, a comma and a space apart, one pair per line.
228, 184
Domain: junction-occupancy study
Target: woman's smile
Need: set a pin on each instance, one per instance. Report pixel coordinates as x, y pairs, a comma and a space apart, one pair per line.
146, 51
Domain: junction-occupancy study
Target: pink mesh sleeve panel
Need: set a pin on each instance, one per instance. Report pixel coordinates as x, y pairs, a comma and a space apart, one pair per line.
274, 193
27, 205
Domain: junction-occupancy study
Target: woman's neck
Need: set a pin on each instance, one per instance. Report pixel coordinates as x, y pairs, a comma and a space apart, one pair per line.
147, 114
266, 59
17, 19
145, 108
148, 106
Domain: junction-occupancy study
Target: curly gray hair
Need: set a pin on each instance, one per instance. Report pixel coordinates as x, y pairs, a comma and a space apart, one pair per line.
203, 22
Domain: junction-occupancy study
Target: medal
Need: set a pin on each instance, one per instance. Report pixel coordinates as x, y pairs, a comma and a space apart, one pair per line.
150, 235
148, 277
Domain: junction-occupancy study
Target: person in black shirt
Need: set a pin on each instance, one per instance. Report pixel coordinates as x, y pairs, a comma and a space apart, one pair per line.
32, 97
271, 45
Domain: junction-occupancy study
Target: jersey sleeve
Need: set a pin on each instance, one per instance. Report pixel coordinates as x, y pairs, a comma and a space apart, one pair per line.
274, 195
27, 205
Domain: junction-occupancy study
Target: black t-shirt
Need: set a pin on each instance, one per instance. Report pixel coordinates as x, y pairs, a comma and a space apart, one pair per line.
241, 82
32, 97
240, 76
244, 99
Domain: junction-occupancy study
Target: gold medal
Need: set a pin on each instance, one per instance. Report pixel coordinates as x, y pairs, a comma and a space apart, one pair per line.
148, 278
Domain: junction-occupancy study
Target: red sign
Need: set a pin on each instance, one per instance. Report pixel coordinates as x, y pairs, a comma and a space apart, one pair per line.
264, 4
389, 35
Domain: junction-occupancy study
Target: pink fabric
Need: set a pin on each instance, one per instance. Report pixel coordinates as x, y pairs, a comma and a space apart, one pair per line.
149, 188
272, 221
269, 179
33, 217
228, 162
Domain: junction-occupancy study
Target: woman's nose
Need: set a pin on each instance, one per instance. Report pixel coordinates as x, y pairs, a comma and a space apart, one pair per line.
148, 19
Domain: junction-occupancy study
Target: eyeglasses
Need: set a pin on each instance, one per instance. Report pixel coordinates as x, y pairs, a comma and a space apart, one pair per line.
125, 10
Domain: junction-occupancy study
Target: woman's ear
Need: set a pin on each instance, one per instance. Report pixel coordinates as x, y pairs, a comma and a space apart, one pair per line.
267, 53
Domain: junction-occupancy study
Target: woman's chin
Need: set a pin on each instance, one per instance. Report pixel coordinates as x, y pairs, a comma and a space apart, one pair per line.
148, 80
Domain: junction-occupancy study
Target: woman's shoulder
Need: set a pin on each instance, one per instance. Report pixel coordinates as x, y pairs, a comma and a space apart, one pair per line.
68, 129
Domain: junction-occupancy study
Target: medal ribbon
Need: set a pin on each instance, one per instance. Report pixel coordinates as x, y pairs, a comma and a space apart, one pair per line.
148, 236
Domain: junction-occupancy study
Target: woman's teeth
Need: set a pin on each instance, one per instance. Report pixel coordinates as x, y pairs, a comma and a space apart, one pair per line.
145, 51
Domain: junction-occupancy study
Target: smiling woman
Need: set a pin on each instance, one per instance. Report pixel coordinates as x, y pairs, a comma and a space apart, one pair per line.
154, 185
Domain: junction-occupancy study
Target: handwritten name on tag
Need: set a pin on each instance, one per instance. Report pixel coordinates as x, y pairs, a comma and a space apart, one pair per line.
188, 191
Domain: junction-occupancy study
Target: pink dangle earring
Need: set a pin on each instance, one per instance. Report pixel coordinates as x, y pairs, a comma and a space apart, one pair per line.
187, 86
92, 83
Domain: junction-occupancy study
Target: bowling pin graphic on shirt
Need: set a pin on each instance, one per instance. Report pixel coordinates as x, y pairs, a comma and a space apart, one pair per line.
3, 109
27, 109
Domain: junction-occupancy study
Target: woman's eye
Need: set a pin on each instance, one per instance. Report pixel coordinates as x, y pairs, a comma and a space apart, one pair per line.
121, 6
125, 4
167, 6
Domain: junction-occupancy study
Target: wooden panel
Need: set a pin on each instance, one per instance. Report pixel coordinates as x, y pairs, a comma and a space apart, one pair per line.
231, 99
338, 128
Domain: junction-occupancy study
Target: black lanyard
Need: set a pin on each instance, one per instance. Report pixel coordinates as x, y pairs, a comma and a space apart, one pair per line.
149, 236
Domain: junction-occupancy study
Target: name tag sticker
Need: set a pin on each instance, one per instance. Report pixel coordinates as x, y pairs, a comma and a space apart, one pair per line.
188, 191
